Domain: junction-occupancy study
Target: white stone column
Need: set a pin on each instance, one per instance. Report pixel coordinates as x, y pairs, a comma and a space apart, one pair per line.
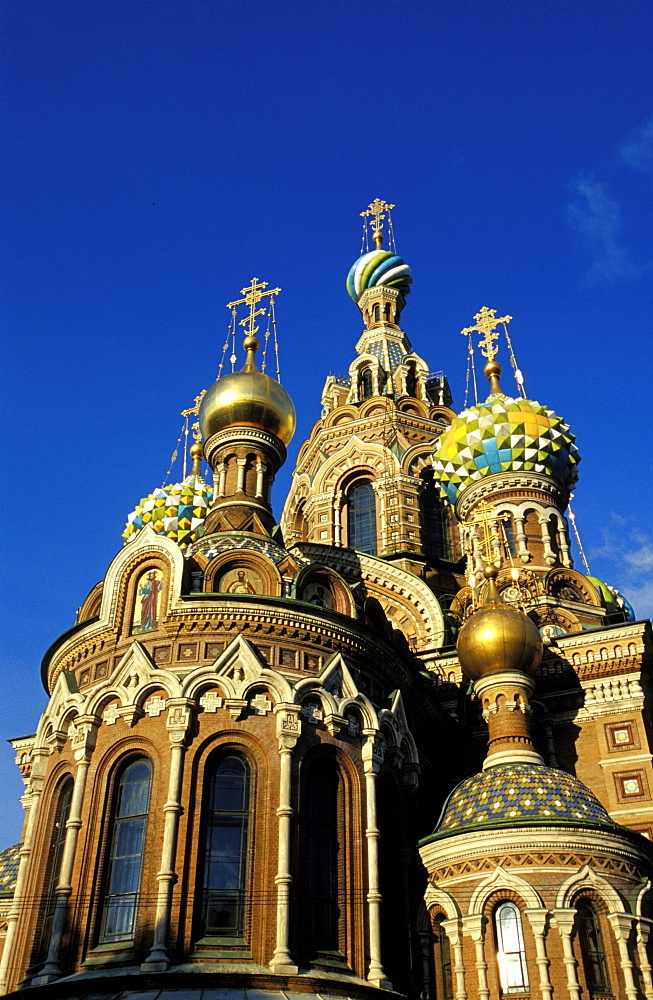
240, 485
474, 926
30, 802
563, 544
564, 921
537, 920
179, 717
83, 740
622, 924
288, 730
337, 518
549, 554
373, 754
520, 533
452, 929
222, 478
644, 926
261, 469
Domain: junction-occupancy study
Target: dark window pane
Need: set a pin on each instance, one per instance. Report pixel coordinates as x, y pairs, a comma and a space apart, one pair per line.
362, 518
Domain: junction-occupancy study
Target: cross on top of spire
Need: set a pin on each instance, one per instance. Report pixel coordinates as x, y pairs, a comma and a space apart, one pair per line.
486, 323
377, 208
252, 294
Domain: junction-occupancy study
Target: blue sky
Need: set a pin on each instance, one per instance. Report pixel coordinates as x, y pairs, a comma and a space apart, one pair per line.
159, 154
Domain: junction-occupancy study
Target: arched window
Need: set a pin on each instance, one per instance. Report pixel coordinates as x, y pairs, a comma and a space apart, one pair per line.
592, 949
411, 380
509, 535
366, 384
377, 313
223, 859
321, 832
361, 517
511, 956
436, 537
125, 863
54, 862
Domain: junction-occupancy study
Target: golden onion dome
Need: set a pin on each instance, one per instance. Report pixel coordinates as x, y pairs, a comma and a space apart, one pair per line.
498, 637
248, 398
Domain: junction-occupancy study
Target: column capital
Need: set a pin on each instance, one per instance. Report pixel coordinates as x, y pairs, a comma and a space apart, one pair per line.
288, 725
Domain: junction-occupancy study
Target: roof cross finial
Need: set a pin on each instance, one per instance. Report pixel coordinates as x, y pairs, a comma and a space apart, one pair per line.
486, 322
377, 208
253, 294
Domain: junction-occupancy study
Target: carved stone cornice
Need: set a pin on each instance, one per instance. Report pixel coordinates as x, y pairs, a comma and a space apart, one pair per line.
502, 485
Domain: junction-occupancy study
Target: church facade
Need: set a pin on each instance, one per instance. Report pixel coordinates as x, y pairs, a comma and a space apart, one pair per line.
397, 742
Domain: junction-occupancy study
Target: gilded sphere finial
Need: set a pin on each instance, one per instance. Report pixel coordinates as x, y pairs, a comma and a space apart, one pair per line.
250, 343
196, 450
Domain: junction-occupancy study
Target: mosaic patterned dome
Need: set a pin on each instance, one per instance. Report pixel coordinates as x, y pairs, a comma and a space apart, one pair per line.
176, 511
378, 267
9, 861
516, 795
504, 435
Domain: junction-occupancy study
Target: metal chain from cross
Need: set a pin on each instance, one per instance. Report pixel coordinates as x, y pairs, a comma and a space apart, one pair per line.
486, 322
377, 208
252, 295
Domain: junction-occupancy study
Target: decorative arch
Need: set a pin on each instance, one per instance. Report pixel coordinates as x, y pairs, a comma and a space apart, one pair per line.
242, 571
587, 879
502, 880
437, 898
338, 597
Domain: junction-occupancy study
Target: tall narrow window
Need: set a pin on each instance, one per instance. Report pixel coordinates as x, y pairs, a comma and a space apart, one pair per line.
411, 380
509, 534
511, 955
443, 959
126, 854
56, 853
366, 384
592, 950
435, 521
377, 313
361, 518
225, 849
322, 857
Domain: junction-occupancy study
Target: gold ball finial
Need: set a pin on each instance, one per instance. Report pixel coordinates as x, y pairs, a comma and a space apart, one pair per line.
250, 343
196, 450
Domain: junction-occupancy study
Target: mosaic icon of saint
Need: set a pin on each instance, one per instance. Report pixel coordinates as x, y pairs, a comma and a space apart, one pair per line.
241, 585
149, 593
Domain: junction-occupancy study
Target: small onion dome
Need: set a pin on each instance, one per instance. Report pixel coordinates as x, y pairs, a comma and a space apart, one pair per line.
518, 795
248, 398
612, 599
176, 511
504, 435
378, 267
496, 638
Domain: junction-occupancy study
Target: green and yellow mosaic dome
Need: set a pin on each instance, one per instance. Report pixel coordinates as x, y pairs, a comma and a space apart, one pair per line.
176, 511
517, 795
504, 435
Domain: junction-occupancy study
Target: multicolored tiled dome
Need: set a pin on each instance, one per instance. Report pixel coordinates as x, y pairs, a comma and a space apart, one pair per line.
504, 435
9, 861
176, 511
520, 795
378, 267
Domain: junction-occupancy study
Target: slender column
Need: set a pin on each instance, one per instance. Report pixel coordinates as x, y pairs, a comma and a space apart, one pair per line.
563, 544
30, 802
222, 479
537, 920
373, 754
337, 518
549, 554
564, 921
452, 928
83, 739
261, 468
287, 735
177, 723
474, 926
622, 924
240, 486
643, 931
520, 532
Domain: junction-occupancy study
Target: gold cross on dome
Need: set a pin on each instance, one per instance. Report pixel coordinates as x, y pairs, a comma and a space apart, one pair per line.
376, 208
488, 520
196, 408
486, 321
252, 295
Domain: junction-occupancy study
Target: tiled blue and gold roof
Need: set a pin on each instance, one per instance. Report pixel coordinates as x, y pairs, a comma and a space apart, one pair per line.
516, 795
504, 435
176, 511
9, 861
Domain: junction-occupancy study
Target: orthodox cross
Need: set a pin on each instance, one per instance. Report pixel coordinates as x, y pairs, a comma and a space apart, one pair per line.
487, 518
253, 294
486, 321
195, 409
377, 208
